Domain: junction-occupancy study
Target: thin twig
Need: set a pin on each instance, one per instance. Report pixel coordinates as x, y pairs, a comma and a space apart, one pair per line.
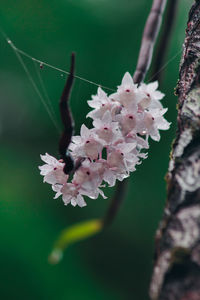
150, 34
165, 38
67, 120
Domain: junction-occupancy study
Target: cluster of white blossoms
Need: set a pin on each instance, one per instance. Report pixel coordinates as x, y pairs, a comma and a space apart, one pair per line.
123, 123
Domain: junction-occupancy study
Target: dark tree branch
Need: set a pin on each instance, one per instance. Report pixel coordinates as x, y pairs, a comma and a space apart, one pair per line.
67, 120
165, 38
148, 40
176, 274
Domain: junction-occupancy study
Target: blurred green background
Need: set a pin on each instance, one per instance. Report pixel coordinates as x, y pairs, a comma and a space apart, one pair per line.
106, 35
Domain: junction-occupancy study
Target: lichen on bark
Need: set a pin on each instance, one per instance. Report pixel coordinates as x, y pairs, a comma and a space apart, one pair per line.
176, 273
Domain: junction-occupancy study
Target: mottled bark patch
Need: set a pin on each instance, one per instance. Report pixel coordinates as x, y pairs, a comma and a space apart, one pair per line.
176, 274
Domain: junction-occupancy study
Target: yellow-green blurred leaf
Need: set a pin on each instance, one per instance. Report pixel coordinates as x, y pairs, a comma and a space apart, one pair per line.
72, 235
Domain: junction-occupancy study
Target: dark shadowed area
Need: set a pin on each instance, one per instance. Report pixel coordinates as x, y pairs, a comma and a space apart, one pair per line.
106, 36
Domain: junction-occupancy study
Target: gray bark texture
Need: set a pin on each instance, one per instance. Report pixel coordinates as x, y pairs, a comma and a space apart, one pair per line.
176, 274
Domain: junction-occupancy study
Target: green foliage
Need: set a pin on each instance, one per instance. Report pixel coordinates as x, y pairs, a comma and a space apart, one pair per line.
73, 234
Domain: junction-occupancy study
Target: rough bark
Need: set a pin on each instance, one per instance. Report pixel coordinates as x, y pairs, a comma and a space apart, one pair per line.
176, 274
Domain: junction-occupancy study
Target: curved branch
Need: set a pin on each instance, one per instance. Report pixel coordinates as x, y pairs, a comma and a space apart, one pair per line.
67, 121
165, 39
150, 34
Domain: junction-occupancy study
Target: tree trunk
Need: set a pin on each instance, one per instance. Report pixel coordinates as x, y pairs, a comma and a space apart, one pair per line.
176, 274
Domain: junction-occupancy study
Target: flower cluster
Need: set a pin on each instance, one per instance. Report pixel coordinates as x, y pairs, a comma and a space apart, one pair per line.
122, 125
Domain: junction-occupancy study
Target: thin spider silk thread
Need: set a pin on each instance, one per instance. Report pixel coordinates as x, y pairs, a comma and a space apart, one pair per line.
49, 112
53, 67
47, 103
165, 65
82, 78
76, 76
36, 89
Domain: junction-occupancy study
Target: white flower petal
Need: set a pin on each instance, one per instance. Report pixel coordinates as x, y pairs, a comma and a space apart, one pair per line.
80, 201
127, 79
152, 86
85, 132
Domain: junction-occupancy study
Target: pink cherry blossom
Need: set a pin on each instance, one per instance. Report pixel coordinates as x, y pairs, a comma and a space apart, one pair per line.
52, 170
127, 92
151, 96
106, 129
87, 144
101, 104
123, 123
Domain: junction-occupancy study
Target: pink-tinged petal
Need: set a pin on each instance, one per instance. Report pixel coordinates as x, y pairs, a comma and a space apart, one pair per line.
128, 147
45, 169
67, 198
127, 79
163, 111
73, 202
94, 103
155, 104
90, 114
155, 136
85, 132
109, 177
102, 194
76, 139
57, 195
50, 178
156, 112
143, 155
57, 188
163, 124
97, 123
152, 86
157, 95
115, 97
50, 160
107, 118
80, 201
101, 93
